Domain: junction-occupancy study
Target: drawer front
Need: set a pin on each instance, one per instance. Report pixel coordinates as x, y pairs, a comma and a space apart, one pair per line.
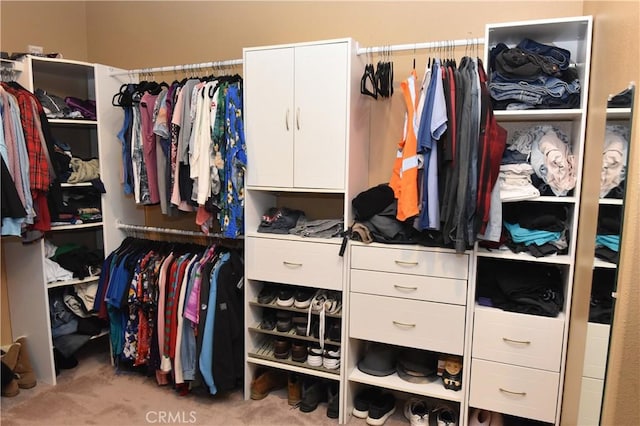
519, 391
416, 287
310, 264
595, 351
410, 261
518, 339
425, 325
590, 401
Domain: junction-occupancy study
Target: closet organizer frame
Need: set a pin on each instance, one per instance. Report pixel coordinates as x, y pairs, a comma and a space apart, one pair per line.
24, 263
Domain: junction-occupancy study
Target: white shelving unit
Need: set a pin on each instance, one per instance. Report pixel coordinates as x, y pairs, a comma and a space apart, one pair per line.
534, 378
307, 149
25, 267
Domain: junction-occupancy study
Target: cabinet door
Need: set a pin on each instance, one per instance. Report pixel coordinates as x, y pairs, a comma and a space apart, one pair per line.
269, 117
320, 116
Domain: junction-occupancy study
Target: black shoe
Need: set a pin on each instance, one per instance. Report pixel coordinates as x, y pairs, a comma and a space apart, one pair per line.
333, 396
268, 320
300, 324
302, 297
284, 323
334, 331
285, 297
268, 293
362, 401
381, 409
313, 393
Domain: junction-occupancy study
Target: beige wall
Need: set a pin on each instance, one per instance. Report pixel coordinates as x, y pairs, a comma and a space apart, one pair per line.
141, 34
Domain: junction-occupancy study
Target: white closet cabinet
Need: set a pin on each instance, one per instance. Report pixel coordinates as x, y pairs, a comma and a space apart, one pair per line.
307, 145
517, 359
298, 115
28, 290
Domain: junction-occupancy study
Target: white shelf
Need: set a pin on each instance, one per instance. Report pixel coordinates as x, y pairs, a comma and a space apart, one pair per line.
65, 283
73, 185
538, 114
74, 227
287, 190
618, 113
289, 237
560, 317
599, 263
525, 257
73, 121
299, 368
433, 389
611, 201
545, 199
13, 65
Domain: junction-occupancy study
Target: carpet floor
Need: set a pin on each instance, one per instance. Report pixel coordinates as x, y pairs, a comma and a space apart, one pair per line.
94, 394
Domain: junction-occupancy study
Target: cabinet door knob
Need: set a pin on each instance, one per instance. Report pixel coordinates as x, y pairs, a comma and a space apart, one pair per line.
292, 264
298, 118
522, 342
403, 287
512, 393
403, 324
402, 262
286, 120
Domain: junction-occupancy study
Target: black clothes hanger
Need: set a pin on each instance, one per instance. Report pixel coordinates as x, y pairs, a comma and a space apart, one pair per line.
369, 80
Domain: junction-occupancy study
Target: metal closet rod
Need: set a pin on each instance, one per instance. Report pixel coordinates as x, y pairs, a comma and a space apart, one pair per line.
469, 42
185, 67
127, 227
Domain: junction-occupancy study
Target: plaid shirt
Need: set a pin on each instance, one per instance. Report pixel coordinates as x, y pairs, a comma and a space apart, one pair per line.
30, 110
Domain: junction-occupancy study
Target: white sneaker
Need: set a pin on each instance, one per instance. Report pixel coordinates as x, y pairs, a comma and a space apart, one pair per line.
446, 416
314, 358
331, 359
417, 412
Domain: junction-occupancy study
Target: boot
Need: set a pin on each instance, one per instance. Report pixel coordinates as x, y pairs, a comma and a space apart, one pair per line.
9, 359
24, 371
295, 389
267, 381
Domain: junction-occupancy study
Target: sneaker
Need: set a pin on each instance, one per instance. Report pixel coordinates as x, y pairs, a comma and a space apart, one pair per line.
446, 416
417, 412
285, 297
362, 401
268, 320
268, 294
302, 297
381, 409
314, 358
331, 359
284, 322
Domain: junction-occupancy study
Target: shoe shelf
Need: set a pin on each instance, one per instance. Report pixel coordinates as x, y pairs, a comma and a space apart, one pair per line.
264, 355
561, 259
274, 305
292, 334
433, 389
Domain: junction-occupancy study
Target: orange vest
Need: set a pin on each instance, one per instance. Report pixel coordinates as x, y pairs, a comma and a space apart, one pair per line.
404, 179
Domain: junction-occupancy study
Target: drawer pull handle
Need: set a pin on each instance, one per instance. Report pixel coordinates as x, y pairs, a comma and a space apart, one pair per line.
292, 264
522, 342
404, 287
402, 262
513, 393
403, 324
286, 120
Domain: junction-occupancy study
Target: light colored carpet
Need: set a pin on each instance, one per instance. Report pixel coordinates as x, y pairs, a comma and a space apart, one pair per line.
93, 394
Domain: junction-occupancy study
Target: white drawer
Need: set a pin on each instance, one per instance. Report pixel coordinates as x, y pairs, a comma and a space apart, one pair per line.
310, 264
590, 401
410, 261
596, 349
519, 339
425, 325
416, 287
519, 391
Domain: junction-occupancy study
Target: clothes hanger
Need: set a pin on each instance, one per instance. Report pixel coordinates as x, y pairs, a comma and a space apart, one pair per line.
368, 80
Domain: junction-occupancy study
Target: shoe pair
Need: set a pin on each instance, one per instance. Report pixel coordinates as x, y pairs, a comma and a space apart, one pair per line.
417, 412
265, 381
315, 391
328, 358
374, 405
17, 361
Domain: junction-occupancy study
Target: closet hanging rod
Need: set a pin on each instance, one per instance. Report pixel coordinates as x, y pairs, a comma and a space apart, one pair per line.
184, 67
416, 46
141, 228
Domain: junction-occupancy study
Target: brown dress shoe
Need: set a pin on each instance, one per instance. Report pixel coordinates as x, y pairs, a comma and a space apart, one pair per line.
24, 371
282, 348
298, 352
267, 381
294, 389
